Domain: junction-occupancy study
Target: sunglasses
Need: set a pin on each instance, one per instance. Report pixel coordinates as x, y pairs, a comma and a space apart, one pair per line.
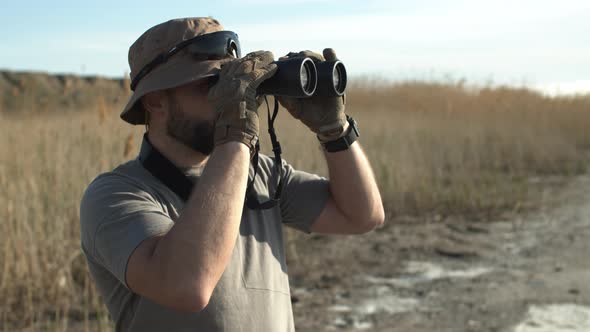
210, 46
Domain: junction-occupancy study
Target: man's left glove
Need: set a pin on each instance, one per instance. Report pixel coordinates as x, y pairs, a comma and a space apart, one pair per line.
323, 115
233, 97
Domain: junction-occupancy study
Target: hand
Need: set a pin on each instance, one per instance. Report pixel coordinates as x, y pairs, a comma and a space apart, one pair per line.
233, 97
323, 115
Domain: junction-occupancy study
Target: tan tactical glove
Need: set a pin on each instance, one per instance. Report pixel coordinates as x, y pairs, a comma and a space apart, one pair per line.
323, 115
233, 97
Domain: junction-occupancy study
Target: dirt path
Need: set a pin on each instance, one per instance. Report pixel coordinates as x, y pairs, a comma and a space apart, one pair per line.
529, 274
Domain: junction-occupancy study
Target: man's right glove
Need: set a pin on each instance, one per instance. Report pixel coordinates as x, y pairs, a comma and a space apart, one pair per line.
323, 115
233, 97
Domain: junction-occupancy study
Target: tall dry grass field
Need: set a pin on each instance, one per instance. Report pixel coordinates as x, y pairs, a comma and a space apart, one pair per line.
435, 148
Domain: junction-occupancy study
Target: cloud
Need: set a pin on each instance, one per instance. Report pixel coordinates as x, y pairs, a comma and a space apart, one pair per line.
467, 21
537, 41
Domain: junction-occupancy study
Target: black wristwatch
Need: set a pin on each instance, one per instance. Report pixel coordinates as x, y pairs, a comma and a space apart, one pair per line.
344, 142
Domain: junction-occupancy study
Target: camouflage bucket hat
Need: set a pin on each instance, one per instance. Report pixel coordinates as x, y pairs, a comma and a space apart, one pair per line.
177, 70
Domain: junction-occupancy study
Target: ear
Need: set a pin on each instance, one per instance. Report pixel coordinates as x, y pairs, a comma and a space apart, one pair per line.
156, 103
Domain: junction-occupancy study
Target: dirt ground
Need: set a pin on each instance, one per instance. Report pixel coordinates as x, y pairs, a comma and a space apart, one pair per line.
520, 273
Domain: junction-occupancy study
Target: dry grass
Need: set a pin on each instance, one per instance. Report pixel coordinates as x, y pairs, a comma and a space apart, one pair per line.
435, 148
448, 149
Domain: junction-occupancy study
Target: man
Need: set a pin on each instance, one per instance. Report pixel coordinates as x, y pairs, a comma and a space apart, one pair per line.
166, 258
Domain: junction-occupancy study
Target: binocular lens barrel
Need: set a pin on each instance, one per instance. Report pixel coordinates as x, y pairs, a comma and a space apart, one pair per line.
304, 74
336, 79
301, 78
331, 79
295, 77
340, 83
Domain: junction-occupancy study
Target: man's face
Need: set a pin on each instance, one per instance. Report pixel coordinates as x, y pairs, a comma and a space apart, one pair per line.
190, 117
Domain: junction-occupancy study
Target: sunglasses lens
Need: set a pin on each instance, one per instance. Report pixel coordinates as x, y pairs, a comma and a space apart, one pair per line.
215, 46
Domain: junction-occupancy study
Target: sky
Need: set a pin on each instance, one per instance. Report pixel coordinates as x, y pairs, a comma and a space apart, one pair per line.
541, 44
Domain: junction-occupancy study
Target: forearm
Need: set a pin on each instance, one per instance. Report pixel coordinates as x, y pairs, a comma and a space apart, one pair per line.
353, 186
195, 252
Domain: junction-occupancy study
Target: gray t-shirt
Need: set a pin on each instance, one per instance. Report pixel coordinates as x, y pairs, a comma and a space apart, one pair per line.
122, 208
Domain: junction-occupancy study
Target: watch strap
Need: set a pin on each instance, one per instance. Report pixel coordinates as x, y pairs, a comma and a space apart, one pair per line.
344, 142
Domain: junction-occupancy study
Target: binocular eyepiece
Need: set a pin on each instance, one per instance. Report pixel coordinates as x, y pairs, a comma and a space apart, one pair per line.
302, 78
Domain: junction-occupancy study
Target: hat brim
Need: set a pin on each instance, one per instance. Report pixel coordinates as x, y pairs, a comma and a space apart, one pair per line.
177, 71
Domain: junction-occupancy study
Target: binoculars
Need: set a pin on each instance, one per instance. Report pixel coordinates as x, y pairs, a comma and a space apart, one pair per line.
302, 78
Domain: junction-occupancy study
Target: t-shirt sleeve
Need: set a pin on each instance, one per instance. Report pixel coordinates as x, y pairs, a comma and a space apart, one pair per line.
115, 217
303, 197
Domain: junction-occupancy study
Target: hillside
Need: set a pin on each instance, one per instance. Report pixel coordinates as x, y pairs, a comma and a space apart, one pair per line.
34, 92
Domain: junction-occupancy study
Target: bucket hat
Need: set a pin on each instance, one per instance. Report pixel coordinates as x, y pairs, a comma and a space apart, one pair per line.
179, 69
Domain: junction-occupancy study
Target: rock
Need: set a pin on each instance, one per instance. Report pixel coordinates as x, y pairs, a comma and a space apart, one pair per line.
574, 291
455, 251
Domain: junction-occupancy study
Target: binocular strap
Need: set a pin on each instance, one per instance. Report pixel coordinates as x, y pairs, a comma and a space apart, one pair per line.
251, 198
173, 178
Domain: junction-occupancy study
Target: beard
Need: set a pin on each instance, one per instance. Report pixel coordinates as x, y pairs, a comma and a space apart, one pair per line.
197, 135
